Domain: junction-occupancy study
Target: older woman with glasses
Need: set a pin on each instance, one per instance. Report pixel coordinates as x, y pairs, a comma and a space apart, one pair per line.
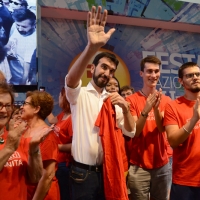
20, 160
37, 106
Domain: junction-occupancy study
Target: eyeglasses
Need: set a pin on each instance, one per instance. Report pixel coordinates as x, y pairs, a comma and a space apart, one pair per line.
191, 75
15, 3
26, 103
7, 106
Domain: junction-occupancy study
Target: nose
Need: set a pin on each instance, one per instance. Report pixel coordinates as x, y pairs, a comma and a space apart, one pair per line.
153, 74
20, 28
107, 73
3, 109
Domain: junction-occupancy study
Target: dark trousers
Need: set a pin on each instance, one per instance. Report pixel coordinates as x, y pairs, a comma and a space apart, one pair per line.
86, 184
181, 192
62, 174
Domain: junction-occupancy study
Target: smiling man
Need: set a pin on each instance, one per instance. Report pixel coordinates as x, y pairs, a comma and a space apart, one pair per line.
149, 169
86, 102
183, 129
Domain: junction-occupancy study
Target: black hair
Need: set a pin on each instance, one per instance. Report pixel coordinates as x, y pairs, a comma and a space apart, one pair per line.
184, 66
110, 56
20, 15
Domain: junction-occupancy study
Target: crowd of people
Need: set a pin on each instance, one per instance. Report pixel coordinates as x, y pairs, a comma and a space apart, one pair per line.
18, 37
108, 142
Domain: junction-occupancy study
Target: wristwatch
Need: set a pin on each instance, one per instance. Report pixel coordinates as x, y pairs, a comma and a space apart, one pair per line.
144, 115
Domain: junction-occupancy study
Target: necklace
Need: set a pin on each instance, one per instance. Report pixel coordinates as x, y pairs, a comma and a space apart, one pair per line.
143, 93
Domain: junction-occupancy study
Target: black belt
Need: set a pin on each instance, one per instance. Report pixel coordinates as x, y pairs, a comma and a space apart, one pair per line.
98, 168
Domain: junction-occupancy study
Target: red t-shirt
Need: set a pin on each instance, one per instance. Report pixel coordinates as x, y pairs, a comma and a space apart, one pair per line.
64, 129
49, 151
169, 148
13, 176
113, 168
149, 149
186, 157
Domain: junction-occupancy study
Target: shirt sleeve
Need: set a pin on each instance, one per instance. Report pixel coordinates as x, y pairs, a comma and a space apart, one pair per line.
72, 93
169, 116
120, 122
49, 147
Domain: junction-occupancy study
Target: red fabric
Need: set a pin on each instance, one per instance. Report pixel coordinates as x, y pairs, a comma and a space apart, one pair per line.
128, 146
169, 148
14, 174
64, 129
123, 152
49, 151
186, 157
148, 151
113, 169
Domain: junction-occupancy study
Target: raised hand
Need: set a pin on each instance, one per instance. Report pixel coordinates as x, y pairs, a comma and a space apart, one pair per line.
159, 95
14, 134
150, 102
38, 137
95, 27
196, 109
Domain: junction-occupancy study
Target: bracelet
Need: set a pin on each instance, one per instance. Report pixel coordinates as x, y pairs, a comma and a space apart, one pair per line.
37, 152
144, 115
185, 130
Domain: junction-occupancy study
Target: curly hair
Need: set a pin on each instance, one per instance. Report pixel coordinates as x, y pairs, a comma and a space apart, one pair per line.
42, 99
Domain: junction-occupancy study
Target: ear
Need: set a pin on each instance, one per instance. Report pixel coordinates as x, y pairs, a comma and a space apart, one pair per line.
92, 67
141, 73
180, 80
37, 109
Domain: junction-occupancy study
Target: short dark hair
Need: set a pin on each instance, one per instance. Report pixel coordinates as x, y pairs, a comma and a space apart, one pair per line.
127, 87
110, 56
6, 89
20, 15
184, 66
42, 99
149, 59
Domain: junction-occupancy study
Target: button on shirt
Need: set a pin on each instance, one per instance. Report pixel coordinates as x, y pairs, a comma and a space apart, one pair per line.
86, 103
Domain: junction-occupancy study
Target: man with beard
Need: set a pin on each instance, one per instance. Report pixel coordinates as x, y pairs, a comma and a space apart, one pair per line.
183, 130
21, 45
149, 168
86, 103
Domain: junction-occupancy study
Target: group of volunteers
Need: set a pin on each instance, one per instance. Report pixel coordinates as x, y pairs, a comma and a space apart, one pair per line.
108, 142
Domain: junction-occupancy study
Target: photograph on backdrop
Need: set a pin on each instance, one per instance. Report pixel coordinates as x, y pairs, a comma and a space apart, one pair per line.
18, 41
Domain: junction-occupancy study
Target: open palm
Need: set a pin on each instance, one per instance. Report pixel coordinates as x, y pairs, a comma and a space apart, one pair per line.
95, 27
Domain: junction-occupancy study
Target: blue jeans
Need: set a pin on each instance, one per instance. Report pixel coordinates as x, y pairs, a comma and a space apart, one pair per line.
86, 185
62, 174
181, 192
